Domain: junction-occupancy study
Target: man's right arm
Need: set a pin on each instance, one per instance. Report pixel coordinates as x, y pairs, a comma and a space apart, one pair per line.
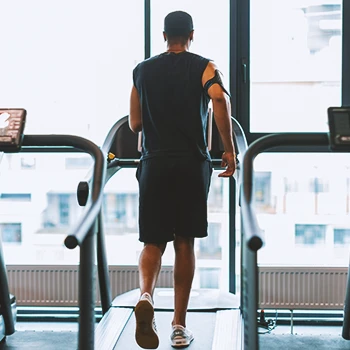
222, 116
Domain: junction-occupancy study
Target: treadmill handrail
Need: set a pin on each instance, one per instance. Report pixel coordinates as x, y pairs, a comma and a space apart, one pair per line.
240, 139
107, 144
38, 142
253, 234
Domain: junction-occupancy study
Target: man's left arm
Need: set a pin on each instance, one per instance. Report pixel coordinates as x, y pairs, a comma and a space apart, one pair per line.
135, 119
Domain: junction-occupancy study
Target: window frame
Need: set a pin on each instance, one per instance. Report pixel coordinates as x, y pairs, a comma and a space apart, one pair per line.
240, 69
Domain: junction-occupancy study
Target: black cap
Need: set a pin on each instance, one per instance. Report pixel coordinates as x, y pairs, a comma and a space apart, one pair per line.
178, 23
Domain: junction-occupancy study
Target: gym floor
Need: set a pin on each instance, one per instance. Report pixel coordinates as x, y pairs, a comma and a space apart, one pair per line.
57, 336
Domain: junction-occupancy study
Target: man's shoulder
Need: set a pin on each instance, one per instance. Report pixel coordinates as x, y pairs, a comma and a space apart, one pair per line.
147, 62
150, 60
199, 57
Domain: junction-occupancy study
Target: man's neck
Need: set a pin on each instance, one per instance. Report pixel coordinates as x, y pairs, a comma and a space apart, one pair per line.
177, 48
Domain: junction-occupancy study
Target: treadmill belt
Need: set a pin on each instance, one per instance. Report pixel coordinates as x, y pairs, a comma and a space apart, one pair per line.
202, 324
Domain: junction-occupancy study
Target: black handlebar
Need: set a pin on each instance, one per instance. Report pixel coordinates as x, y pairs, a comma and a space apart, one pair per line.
62, 143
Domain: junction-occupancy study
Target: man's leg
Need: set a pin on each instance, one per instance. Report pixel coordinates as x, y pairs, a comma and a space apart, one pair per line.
183, 276
149, 266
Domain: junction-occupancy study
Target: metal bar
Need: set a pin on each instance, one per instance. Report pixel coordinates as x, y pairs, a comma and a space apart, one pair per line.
147, 29
87, 283
233, 83
346, 319
232, 235
250, 286
30, 149
346, 55
5, 301
242, 37
102, 267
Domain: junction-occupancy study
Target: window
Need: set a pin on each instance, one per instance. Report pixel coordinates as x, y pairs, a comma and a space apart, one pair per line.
342, 236
262, 192
78, 163
318, 185
211, 37
18, 197
310, 197
28, 163
310, 234
11, 232
71, 82
63, 202
296, 64
120, 213
209, 278
216, 199
210, 247
290, 185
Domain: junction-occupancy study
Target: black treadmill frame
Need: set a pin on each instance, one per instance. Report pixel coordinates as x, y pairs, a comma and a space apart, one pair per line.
82, 234
115, 144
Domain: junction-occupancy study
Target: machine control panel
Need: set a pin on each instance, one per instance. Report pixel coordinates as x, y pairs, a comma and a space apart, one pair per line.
339, 128
12, 122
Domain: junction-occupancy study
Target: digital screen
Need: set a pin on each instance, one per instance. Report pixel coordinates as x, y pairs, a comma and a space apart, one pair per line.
11, 125
342, 123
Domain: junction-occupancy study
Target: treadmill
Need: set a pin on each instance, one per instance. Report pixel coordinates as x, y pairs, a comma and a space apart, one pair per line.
12, 140
8, 307
12, 123
214, 316
339, 141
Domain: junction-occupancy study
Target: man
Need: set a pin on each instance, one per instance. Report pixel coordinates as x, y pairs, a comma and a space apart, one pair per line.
169, 104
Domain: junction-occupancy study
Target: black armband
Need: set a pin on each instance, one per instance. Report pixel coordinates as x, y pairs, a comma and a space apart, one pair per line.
216, 80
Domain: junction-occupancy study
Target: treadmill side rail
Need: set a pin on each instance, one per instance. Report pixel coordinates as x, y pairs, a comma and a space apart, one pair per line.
107, 336
228, 330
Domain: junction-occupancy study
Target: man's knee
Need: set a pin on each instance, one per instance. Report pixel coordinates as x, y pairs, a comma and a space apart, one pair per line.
183, 243
160, 246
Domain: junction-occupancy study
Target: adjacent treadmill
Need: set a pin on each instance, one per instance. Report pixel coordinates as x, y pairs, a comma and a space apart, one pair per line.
339, 141
13, 140
12, 123
215, 316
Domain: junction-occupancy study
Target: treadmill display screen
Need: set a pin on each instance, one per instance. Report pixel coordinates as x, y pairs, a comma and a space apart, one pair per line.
11, 129
342, 123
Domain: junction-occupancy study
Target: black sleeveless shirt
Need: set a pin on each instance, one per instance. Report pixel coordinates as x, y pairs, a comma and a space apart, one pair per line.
174, 105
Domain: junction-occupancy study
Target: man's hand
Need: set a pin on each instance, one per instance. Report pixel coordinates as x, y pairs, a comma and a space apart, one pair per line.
228, 160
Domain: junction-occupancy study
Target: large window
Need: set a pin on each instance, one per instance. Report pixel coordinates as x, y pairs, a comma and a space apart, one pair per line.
11, 232
211, 29
295, 64
70, 63
309, 223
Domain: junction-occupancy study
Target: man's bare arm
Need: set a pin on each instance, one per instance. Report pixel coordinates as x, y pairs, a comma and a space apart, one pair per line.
135, 118
222, 116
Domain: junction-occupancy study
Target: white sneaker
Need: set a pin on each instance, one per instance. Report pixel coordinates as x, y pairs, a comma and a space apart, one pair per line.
181, 337
146, 330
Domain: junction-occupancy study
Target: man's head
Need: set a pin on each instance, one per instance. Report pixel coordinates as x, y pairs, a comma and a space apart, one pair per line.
178, 27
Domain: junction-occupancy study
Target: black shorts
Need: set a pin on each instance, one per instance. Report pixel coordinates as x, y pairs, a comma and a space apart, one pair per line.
173, 198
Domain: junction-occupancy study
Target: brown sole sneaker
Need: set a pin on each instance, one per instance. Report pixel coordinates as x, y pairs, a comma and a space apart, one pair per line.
146, 334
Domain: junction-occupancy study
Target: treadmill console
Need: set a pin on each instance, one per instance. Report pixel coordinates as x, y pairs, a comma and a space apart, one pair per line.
12, 123
339, 128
